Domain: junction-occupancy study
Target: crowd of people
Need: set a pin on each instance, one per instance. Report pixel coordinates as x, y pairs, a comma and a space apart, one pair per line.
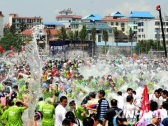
65, 100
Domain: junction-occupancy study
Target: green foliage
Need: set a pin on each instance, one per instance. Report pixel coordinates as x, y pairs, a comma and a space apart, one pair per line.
22, 26
76, 35
62, 34
93, 34
83, 33
104, 49
12, 29
71, 35
105, 38
116, 33
144, 46
11, 40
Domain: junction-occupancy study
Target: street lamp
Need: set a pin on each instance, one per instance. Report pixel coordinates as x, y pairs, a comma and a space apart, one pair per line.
158, 8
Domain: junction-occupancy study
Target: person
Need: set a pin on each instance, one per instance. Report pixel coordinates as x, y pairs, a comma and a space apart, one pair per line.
95, 119
40, 104
92, 103
164, 110
165, 95
156, 97
88, 121
68, 122
130, 109
103, 106
156, 120
60, 111
13, 114
122, 122
37, 117
78, 110
147, 117
129, 92
48, 111
113, 112
120, 100
70, 115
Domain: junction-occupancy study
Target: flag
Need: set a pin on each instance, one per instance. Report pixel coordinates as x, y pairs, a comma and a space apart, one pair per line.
158, 7
145, 102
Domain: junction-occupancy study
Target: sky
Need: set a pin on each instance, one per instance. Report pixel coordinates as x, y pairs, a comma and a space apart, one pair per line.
49, 9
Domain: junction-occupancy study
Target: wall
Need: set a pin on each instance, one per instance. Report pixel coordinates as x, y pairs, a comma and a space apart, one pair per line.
1, 27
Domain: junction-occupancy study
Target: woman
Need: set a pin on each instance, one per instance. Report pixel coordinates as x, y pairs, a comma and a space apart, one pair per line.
78, 111
68, 122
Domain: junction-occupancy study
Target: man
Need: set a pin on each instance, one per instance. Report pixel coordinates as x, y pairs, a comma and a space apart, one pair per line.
13, 114
120, 100
103, 106
60, 111
165, 95
40, 104
156, 97
114, 111
129, 92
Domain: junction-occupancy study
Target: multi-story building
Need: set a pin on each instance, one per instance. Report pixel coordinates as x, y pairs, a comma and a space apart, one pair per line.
16, 20
100, 26
1, 24
117, 20
67, 16
135, 16
151, 29
55, 25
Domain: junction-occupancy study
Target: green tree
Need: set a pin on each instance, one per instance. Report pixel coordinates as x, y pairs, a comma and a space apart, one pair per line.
116, 35
11, 40
76, 35
105, 39
22, 26
93, 37
83, 35
12, 29
62, 34
131, 35
71, 37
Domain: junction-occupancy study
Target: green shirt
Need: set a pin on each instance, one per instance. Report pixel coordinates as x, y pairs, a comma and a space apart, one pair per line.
40, 104
48, 111
13, 116
79, 110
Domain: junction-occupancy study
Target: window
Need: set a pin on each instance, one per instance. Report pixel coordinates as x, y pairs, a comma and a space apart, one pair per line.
142, 30
110, 31
122, 24
157, 23
135, 27
117, 23
167, 29
123, 29
99, 38
112, 23
139, 30
167, 23
69, 20
139, 36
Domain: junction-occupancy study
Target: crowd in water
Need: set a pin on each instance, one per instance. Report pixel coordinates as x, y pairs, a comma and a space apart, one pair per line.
86, 92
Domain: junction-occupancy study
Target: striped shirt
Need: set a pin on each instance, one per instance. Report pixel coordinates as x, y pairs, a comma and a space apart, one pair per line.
102, 108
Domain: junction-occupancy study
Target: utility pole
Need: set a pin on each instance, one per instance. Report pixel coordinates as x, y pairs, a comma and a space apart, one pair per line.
158, 8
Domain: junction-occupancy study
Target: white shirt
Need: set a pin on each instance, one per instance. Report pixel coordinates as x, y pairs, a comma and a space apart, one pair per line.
60, 115
120, 102
158, 100
163, 113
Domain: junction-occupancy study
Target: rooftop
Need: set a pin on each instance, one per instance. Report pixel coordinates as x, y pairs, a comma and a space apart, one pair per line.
117, 14
52, 23
111, 18
29, 31
93, 17
141, 14
69, 16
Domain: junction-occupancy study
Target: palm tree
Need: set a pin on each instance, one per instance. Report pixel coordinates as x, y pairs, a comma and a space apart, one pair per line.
83, 36
93, 37
116, 34
71, 37
22, 26
62, 34
105, 38
131, 35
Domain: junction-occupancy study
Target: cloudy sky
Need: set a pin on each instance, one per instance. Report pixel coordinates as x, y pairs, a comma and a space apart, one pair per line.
48, 9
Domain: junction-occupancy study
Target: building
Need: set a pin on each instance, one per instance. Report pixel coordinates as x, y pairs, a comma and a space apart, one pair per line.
16, 20
135, 16
55, 25
117, 20
1, 24
67, 16
151, 29
92, 18
100, 26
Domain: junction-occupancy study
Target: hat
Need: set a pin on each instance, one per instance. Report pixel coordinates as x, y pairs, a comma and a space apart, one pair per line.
156, 114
